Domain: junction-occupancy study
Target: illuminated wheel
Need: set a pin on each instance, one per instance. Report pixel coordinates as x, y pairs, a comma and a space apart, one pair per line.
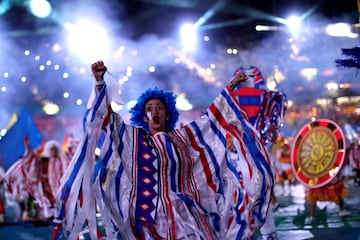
318, 153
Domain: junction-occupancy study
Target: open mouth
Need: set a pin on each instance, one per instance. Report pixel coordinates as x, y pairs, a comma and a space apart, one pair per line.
156, 119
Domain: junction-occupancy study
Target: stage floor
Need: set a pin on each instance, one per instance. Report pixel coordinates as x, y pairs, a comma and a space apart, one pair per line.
290, 219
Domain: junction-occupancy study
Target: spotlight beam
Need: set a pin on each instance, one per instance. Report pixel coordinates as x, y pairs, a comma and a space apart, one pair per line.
224, 24
254, 13
311, 10
247, 11
5, 5
211, 12
24, 33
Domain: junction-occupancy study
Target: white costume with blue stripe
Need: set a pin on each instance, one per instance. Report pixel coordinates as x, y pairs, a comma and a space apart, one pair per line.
175, 185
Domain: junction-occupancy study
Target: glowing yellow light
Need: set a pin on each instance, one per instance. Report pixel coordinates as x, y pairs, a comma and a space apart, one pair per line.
51, 108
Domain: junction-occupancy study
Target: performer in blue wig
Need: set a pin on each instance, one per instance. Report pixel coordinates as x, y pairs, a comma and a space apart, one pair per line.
166, 97
154, 181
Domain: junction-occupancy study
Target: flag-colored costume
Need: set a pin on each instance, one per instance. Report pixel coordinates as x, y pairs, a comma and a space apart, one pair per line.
15, 178
265, 109
42, 174
174, 185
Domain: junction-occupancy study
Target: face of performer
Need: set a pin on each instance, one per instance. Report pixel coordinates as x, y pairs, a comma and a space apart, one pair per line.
156, 116
54, 152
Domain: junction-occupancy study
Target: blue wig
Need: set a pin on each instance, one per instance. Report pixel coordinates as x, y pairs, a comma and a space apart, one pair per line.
169, 100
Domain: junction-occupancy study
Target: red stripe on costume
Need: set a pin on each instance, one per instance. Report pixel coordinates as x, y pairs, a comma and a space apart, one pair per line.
263, 150
258, 79
186, 171
56, 229
251, 111
233, 131
81, 197
135, 142
190, 182
249, 91
165, 182
218, 115
234, 99
203, 159
1, 207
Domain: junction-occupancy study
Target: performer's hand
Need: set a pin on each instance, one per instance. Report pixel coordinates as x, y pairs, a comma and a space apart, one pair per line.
237, 79
98, 69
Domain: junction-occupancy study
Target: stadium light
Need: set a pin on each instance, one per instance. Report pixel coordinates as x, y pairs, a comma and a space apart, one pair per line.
340, 30
39, 8
82, 38
294, 24
188, 35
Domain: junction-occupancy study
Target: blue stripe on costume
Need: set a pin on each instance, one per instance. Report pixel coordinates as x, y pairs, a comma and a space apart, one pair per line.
188, 201
233, 169
250, 100
210, 152
240, 234
218, 133
98, 102
84, 118
67, 187
120, 135
240, 221
239, 201
75, 171
250, 142
146, 169
173, 175
121, 167
107, 155
101, 164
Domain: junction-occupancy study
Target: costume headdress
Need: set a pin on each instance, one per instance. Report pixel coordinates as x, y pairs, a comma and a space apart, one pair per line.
49, 145
169, 100
265, 109
255, 78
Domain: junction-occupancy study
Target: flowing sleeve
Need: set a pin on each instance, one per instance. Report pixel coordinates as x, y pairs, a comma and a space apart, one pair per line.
76, 203
241, 190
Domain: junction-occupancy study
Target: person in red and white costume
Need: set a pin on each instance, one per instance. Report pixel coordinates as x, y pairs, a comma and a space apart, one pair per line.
152, 181
43, 171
